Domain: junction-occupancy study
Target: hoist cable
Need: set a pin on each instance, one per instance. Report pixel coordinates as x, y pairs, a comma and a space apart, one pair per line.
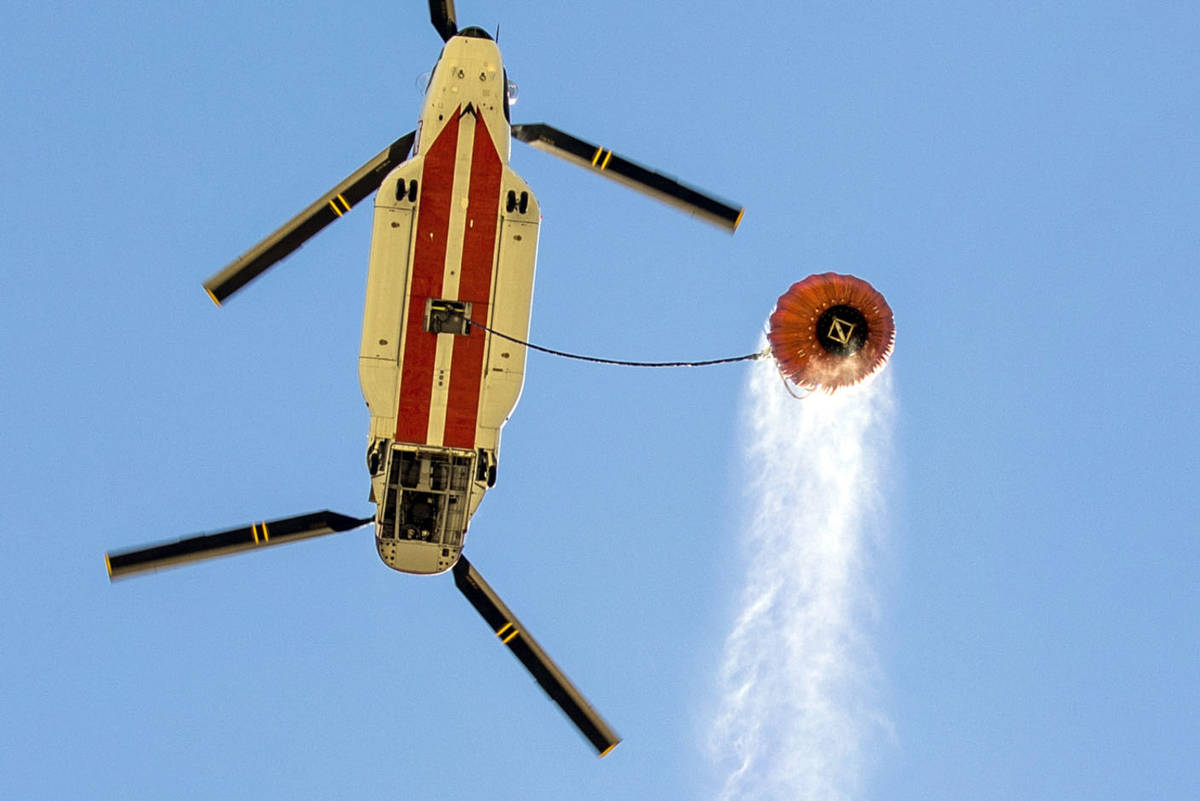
705, 363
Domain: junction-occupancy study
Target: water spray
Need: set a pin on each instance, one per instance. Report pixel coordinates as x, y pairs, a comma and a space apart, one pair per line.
797, 684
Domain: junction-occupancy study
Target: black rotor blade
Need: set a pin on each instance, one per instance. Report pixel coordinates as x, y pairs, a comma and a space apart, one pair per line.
444, 18
298, 230
656, 184
510, 631
205, 546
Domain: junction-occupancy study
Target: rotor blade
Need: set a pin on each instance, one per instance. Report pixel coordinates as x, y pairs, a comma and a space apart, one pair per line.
510, 631
444, 18
298, 230
656, 184
205, 546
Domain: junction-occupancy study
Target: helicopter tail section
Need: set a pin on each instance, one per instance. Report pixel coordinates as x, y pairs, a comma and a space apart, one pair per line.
428, 494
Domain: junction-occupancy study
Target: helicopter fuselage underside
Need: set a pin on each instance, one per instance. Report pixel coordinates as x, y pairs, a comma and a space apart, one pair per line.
454, 241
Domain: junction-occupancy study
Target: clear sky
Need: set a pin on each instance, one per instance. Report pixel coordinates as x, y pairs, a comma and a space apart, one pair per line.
1021, 180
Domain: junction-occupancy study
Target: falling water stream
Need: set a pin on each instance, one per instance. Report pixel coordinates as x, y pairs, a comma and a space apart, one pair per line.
798, 684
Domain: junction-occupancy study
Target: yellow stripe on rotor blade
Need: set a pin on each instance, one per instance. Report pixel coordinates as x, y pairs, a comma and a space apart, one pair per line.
266, 536
596, 157
604, 165
339, 205
606, 751
515, 632
738, 221
504, 628
108, 565
254, 531
213, 296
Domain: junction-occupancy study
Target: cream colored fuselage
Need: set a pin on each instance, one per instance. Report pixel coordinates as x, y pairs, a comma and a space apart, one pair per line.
454, 239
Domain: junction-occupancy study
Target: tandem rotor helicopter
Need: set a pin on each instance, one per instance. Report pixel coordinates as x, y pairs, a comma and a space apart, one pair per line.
452, 256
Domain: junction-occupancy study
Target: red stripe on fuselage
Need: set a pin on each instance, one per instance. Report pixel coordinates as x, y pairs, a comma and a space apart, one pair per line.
428, 265
475, 287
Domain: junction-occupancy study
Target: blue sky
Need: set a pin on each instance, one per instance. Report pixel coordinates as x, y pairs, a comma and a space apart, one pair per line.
1021, 180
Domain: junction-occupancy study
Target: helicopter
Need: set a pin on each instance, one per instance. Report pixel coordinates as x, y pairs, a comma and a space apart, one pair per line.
452, 259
